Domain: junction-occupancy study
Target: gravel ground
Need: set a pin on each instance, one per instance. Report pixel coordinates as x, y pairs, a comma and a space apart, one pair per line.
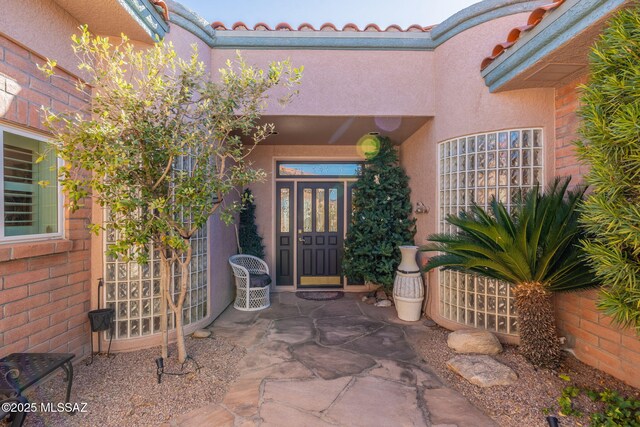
526, 403
123, 390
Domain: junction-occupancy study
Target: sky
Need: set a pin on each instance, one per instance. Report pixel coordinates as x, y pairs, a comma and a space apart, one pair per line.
338, 12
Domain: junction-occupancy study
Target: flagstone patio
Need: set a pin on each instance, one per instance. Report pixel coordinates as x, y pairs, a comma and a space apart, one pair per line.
331, 363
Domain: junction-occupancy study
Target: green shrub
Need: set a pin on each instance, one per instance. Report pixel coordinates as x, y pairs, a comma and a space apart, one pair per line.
381, 219
610, 129
248, 237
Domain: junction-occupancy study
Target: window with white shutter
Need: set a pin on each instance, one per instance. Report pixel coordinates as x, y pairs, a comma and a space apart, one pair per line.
30, 203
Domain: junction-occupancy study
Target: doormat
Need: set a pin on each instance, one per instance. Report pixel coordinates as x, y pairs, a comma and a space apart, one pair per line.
320, 296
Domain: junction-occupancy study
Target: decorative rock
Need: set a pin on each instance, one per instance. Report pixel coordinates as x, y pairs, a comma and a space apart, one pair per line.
383, 303
482, 370
474, 341
370, 300
381, 295
201, 333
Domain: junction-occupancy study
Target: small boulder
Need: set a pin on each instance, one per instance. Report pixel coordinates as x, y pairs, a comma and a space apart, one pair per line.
201, 333
381, 295
383, 303
482, 370
474, 341
370, 300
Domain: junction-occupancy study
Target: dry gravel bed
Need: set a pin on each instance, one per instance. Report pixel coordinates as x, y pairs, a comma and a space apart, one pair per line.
525, 403
124, 391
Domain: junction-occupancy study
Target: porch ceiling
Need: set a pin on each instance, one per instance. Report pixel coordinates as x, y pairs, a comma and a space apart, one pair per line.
340, 130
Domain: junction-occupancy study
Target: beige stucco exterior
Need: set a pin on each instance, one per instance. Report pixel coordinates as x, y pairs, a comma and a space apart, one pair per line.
420, 96
352, 83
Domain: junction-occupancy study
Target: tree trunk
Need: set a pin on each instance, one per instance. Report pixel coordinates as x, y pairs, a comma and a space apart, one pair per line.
539, 341
184, 287
165, 280
182, 350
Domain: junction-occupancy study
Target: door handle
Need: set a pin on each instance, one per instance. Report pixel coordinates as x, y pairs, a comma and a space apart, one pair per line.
300, 239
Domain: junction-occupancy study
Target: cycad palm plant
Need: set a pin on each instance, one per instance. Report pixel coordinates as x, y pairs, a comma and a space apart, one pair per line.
535, 249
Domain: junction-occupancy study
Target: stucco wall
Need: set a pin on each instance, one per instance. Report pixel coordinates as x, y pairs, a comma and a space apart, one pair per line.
183, 42
352, 83
463, 106
43, 26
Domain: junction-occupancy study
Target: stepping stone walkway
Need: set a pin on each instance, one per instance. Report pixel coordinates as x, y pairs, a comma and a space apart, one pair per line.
330, 363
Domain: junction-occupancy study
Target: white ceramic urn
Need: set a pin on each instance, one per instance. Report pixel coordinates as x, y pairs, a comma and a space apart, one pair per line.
408, 288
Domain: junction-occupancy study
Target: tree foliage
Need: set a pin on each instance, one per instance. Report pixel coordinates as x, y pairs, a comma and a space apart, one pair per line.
610, 146
163, 143
381, 218
535, 248
249, 238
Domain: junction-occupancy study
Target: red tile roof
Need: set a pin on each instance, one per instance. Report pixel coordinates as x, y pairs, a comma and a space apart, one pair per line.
283, 26
165, 8
514, 35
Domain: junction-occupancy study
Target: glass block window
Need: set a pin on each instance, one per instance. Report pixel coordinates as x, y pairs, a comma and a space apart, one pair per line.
133, 290
477, 168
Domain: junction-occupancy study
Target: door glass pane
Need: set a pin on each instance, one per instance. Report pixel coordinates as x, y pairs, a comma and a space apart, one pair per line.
320, 210
307, 207
284, 210
333, 210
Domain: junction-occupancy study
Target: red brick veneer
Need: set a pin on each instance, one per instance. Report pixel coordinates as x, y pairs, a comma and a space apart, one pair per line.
44, 286
589, 332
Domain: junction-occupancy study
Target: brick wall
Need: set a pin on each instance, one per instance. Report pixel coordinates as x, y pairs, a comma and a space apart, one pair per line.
44, 286
589, 332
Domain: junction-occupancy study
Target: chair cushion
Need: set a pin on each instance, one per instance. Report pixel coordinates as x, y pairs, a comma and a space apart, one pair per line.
259, 280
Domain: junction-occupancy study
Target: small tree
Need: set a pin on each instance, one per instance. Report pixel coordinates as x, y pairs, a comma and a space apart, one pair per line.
248, 237
610, 129
163, 146
381, 218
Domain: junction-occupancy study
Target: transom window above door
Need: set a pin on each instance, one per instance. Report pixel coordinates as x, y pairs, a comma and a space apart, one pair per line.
319, 169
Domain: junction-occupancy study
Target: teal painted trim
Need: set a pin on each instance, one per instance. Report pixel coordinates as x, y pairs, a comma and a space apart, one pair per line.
480, 13
341, 41
147, 16
560, 27
192, 22
467, 18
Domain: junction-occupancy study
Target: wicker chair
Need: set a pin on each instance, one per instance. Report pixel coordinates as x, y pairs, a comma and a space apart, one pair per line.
252, 282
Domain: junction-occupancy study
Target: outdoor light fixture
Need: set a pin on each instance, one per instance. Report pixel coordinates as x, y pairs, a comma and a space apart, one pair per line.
159, 368
421, 208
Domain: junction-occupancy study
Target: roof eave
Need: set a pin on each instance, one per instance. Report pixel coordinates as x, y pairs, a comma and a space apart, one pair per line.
148, 17
323, 40
569, 20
